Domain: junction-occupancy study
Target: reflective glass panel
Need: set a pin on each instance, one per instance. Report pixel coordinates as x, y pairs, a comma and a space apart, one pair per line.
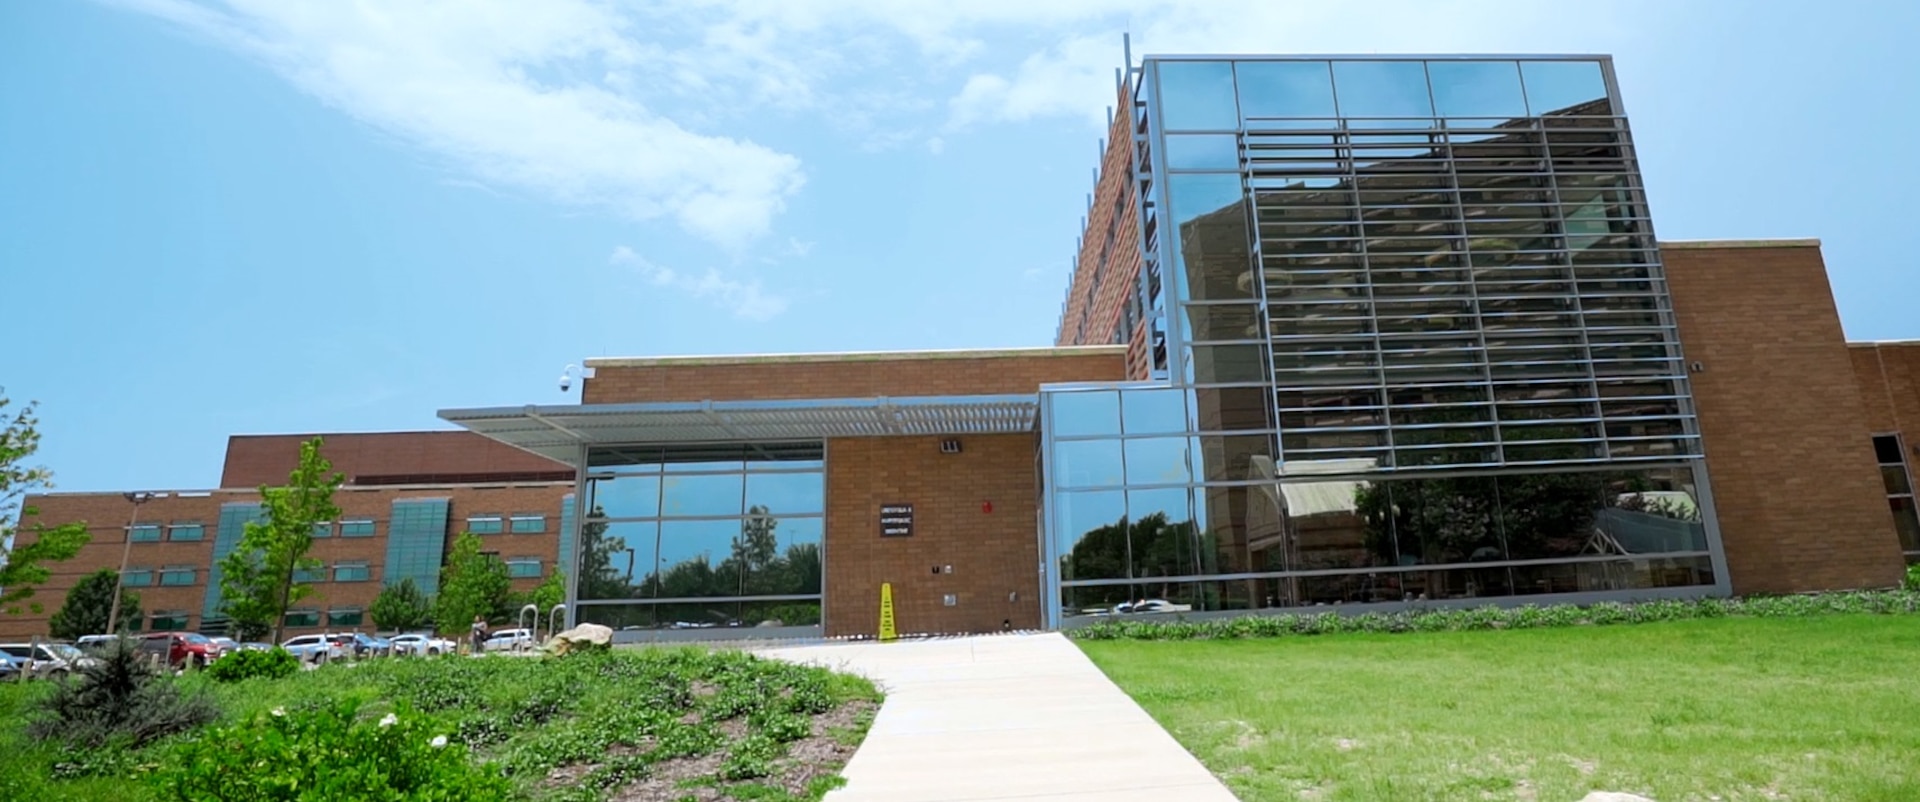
1243, 527
1203, 152
1382, 89
1477, 88
1194, 195
793, 565
1156, 460
1285, 89
1086, 463
1437, 521
1197, 95
625, 497
711, 494
1157, 411
1229, 409
1094, 412
615, 559
1223, 322
784, 493
1235, 457
1560, 86
1090, 534
1162, 537
1228, 364
697, 558
1906, 522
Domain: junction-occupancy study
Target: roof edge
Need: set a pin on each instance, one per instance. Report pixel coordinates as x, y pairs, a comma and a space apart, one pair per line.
1713, 244
1878, 343
853, 356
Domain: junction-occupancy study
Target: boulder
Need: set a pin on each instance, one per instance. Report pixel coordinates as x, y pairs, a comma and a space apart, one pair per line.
583, 638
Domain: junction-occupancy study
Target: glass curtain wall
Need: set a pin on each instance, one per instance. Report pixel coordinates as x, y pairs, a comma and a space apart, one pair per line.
703, 537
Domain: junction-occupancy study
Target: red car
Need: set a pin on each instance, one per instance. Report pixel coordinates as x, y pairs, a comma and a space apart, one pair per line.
179, 649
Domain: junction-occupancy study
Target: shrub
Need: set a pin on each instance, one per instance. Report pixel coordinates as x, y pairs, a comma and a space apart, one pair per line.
121, 700
1884, 602
274, 663
1913, 578
327, 753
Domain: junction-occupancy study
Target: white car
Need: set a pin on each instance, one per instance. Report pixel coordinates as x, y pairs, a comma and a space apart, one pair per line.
1152, 606
314, 647
508, 640
421, 644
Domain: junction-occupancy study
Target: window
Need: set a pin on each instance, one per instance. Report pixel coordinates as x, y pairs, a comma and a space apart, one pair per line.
177, 575
169, 620
309, 574
1900, 495
146, 533
186, 530
523, 568
136, 577
302, 618
323, 529
345, 616
352, 572
528, 524
484, 524
356, 527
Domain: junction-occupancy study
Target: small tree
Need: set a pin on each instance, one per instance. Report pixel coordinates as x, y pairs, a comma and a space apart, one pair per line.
88, 605
22, 566
471, 584
400, 606
551, 591
256, 580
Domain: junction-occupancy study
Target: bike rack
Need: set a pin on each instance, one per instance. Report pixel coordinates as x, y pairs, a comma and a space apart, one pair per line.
522, 621
553, 619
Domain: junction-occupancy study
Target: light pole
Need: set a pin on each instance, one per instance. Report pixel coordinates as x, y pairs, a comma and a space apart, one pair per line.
126, 549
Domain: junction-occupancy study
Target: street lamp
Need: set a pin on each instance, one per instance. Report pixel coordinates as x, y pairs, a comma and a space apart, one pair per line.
126, 549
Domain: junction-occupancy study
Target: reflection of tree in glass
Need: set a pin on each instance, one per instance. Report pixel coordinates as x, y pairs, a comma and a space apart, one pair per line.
598, 578
754, 566
1153, 547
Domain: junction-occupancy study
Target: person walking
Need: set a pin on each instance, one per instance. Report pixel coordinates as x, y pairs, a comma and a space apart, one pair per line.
479, 635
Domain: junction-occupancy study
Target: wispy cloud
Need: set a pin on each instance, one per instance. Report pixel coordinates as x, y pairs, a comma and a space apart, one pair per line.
744, 299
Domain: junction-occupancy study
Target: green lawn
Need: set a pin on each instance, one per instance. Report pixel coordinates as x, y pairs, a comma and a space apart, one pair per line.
1822, 708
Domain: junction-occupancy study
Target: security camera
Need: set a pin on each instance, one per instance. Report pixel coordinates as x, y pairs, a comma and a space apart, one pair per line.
566, 382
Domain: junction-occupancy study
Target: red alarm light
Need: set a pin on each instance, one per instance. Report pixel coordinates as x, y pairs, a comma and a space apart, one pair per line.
986, 507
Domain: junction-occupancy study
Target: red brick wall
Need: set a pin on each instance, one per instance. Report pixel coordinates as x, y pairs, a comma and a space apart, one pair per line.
1107, 268
1011, 371
1888, 375
993, 554
106, 515
1800, 502
435, 457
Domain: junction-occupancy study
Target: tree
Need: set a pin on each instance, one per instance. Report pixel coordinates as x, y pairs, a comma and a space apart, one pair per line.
551, 591
88, 605
598, 578
400, 606
472, 583
257, 580
22, 565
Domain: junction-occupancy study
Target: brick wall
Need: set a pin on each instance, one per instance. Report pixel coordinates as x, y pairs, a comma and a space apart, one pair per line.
1800, 503
1107, 269
1888, 375
1010, 371
433, 457
993, 554
106, 515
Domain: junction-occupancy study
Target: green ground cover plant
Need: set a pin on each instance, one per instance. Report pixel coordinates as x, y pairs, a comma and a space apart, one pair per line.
613, 725
1728, 708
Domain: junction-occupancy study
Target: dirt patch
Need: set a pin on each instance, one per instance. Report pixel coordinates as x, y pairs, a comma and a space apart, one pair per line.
664, 783
820, 754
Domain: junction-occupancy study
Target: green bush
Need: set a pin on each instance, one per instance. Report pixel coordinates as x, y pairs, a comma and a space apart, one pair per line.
1913, 578
1882, 602
121, 700
273, 663
326, 753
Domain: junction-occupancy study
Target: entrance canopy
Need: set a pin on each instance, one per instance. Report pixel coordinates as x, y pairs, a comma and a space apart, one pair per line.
557, 432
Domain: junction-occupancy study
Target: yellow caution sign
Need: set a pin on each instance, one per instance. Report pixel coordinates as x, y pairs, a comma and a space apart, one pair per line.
887, 632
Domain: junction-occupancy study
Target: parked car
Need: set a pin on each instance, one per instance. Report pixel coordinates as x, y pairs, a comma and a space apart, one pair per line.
227, 645
256, 647
360, 644
9, 668
422, 644
501, 640
47, 660
94, 644
180, 649
314, 648
1152, 606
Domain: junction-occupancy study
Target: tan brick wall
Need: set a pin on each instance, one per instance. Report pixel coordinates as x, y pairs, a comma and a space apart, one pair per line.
1888, 375
993, 554
903, 374
106, 515
1800, 503
255, 460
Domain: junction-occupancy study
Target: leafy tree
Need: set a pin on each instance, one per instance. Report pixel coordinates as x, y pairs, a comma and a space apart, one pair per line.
88, 605
598, 577
400, 606
472, 584
551, 591
22, 565
257, 580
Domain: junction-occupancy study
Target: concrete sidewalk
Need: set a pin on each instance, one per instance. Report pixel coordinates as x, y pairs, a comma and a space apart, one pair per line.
1005, 717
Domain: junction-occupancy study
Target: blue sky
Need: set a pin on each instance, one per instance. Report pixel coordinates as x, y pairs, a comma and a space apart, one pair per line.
250, 217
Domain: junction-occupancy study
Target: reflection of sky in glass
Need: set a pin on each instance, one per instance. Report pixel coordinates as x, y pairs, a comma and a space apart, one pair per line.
1171, 500
717, 494
684, 540
1194, 194
1285, 89
1197, 95
1156, 460
783, 493
1203, 152
1382, 89
1555, 85
1086, 463
627, 496
1154, 411
1087, 413
1477, 89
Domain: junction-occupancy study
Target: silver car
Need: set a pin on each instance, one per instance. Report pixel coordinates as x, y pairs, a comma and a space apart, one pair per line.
48, 660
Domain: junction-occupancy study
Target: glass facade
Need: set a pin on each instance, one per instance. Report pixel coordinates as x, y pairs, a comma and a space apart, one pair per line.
698, 537
1898, 478
1420, 346
234, 518
186, 531
416, 539
144, 533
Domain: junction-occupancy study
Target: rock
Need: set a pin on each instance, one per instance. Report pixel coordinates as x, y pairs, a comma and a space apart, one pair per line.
1613, 796
583, 638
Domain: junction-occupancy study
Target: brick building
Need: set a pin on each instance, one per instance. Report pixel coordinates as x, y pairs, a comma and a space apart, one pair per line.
1369, 332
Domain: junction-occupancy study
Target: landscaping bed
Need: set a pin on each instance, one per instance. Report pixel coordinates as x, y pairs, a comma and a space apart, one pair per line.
663, 724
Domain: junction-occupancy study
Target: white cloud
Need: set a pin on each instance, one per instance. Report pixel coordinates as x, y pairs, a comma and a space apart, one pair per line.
744, 299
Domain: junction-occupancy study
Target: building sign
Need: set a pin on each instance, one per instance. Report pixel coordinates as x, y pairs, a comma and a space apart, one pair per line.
896, 520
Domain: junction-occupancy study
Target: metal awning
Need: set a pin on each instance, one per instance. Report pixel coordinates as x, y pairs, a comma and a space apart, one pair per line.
557, 432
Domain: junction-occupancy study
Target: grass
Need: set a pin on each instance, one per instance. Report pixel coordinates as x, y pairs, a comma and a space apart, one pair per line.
661, 723
1821, 708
